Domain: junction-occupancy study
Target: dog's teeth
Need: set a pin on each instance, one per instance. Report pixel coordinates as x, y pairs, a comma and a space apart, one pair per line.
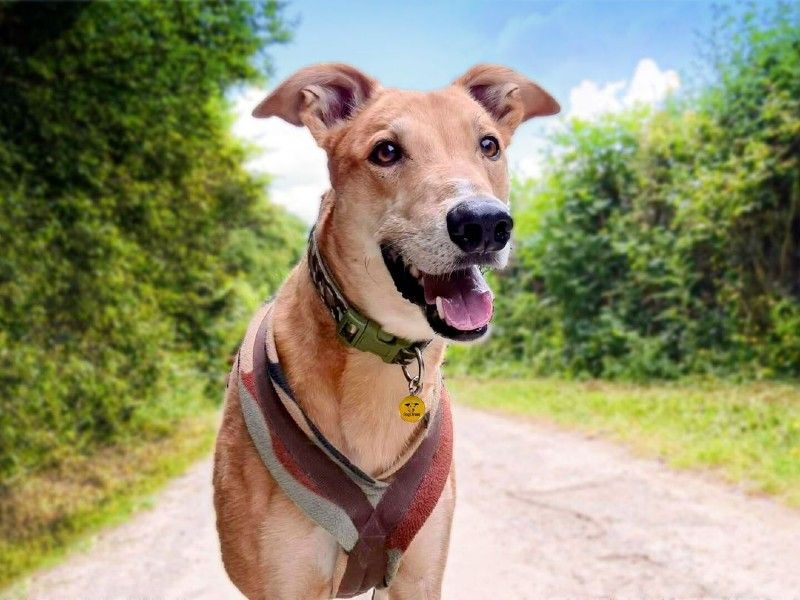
439, 307
414, 271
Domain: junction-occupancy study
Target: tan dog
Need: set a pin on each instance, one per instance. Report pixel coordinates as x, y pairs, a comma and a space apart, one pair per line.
419, 202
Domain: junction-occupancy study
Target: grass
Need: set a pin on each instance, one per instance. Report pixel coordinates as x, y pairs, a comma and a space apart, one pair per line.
748, 434
45, 516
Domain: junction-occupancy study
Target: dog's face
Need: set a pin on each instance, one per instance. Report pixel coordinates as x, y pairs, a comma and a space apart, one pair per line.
420, 181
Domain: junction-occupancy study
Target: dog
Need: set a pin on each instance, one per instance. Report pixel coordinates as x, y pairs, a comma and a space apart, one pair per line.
418, 207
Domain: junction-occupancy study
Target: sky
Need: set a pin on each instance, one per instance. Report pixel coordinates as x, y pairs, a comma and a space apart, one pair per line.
593, 57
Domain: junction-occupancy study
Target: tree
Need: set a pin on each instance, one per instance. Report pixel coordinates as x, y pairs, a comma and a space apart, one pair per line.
664, 243
122, 202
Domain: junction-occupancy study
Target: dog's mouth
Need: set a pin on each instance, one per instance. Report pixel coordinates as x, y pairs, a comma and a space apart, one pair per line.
457, 305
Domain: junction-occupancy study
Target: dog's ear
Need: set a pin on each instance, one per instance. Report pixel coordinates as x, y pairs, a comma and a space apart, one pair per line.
506, 95
318, 97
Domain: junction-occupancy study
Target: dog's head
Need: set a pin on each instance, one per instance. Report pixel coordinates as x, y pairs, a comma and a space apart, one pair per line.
420, 189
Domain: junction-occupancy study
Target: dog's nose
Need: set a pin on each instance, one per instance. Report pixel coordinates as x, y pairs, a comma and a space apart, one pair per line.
479, 225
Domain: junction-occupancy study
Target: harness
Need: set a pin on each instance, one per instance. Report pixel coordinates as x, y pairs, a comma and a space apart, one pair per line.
373, 520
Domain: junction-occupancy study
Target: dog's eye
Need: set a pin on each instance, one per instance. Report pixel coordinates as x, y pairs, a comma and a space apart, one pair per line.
490, 147
385, 154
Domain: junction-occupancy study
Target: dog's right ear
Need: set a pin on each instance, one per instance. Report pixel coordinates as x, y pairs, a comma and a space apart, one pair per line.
319, 97
507, 96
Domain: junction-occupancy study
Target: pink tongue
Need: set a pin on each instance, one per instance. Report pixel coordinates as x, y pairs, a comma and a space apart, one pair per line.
465, 297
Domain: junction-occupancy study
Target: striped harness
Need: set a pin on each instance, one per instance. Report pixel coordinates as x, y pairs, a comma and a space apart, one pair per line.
372, 519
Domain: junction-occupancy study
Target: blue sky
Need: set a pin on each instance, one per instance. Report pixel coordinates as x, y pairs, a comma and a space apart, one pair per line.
593, 57
424, 45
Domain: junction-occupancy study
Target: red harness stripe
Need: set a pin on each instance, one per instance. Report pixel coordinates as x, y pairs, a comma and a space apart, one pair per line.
431, 486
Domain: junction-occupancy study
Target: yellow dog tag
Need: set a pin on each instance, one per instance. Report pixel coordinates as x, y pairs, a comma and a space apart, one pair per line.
412, 409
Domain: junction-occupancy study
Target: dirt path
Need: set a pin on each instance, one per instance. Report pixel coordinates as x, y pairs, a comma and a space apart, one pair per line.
541, 514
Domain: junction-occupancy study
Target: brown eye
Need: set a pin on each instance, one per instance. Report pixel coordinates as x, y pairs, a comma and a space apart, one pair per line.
385, 154
490, 147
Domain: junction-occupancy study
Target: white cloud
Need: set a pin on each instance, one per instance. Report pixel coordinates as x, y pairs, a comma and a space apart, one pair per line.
297, 166
526, 155
589, 99
649, 85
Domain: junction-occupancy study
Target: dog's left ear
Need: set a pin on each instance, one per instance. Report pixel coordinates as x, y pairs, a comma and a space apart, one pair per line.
319, 97
506, 95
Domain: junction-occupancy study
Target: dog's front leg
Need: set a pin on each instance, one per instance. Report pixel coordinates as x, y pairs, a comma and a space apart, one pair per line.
422, 567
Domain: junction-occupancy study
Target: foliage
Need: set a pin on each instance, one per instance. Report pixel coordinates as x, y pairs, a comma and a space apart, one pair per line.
664, 243
125, 218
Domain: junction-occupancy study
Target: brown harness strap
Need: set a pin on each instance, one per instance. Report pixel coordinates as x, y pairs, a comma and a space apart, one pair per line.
367, 563
305, 460
314, 481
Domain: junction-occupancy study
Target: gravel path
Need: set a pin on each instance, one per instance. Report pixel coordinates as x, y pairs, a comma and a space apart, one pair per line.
541, 513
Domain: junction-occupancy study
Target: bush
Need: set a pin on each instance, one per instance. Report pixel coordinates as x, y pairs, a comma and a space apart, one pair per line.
666, 243
126, 217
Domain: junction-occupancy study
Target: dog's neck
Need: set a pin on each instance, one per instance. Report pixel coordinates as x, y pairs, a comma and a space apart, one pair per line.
352, 396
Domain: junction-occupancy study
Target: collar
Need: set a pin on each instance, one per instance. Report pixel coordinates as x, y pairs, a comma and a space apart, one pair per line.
355, 329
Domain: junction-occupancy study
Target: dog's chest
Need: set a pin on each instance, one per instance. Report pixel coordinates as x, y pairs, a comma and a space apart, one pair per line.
373, 434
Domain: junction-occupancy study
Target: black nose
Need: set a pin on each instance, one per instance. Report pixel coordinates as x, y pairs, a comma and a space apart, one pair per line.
479, 225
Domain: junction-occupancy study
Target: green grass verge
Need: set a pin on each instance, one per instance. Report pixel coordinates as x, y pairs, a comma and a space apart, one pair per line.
44, 516
748, 434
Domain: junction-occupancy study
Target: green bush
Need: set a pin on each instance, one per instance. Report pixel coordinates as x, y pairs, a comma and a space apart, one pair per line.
132, 241
666, 243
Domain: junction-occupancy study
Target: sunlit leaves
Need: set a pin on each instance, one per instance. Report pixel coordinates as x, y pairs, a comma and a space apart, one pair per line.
660, 244
132, 241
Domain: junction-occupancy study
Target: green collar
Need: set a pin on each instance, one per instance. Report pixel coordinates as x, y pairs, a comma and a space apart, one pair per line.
354, 328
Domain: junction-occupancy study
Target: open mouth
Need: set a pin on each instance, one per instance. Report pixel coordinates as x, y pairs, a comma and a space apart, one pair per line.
458, 305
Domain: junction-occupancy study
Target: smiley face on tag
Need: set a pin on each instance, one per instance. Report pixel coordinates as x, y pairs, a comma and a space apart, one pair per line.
412, 409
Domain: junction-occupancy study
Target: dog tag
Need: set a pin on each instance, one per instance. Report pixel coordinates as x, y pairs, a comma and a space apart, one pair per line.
412, 409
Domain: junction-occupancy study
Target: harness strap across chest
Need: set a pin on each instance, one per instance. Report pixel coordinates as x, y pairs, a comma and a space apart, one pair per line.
373, 520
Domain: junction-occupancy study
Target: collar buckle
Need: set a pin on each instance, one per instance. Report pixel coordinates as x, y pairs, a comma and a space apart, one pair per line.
357, 331
353, 328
